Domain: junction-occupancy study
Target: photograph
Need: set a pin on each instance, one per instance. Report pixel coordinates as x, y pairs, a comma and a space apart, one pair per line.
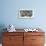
25, 13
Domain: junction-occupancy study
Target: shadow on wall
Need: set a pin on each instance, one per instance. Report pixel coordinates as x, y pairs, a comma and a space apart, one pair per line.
2, 26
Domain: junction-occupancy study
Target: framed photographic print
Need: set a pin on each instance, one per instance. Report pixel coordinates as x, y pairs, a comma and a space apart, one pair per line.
25, 13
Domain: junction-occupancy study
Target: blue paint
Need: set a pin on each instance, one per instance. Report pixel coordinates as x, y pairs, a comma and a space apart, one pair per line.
9, 12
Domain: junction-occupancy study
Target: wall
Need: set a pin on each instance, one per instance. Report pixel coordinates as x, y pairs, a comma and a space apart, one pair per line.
9, 12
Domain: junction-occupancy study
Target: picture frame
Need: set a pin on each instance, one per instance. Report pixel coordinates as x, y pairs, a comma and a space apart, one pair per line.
25, 13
